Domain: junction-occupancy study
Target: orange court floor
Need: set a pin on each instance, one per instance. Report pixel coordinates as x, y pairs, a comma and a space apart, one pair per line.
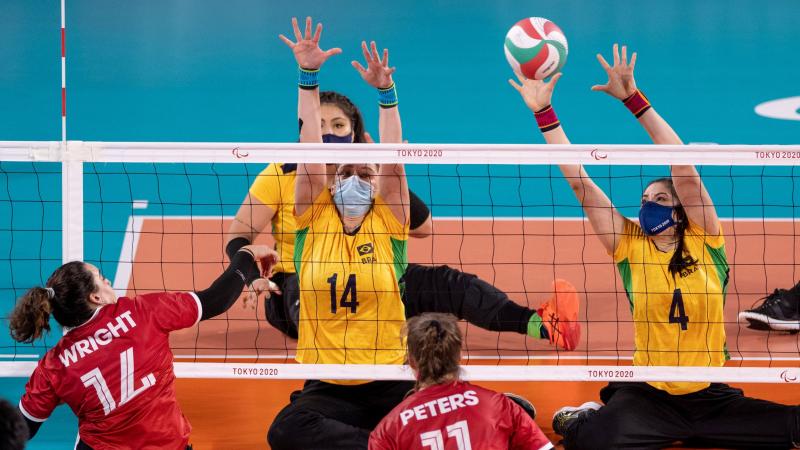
521, 257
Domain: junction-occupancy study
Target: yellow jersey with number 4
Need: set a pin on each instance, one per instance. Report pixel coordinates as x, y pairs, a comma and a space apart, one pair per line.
678, 321
351, 311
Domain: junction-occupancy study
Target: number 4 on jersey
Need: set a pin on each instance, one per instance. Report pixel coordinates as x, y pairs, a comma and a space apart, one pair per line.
677, 306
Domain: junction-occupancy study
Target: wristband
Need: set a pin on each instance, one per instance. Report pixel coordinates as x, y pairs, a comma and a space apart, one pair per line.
637, 103
308, 78
387, 97
546, 119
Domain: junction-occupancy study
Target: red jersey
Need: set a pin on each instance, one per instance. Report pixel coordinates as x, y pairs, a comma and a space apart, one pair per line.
457, 416
115, 373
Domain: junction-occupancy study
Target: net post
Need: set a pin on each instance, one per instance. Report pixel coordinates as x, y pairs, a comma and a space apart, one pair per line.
72, 201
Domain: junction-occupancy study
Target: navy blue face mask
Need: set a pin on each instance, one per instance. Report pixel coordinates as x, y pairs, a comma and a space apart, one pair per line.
334, 139
655, 218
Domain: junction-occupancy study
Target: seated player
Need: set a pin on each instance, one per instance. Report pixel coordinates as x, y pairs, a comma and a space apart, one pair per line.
113, 365
675, 271
445, 412
270, 203
779, 311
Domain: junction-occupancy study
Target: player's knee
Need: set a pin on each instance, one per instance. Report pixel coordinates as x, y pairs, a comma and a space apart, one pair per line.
290, 428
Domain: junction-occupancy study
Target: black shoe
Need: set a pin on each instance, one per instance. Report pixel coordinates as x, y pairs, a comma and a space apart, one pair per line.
566, 418
523, 402
778, 311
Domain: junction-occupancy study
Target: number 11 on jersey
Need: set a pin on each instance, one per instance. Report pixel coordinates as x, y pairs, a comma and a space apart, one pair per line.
459, 431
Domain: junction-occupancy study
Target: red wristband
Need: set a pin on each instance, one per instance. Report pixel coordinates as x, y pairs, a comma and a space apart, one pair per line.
546, 119
637, 103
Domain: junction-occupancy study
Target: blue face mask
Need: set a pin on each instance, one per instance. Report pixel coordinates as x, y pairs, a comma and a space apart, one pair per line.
334, 139
655, 218
353, 196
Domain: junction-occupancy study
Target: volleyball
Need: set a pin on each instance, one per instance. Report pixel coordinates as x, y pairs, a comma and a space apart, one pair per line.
536, 48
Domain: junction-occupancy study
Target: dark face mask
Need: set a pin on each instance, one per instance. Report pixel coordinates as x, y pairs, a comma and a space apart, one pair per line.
334, 139
655, 218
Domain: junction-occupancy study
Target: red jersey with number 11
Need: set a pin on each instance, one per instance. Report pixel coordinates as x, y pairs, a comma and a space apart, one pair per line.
115, 373
457, 416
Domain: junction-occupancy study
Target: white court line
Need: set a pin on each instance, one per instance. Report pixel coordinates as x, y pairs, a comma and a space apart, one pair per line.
129, 246
140, 204
10, 356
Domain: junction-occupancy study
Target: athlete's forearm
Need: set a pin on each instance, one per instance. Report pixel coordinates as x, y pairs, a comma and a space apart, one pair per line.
224, 291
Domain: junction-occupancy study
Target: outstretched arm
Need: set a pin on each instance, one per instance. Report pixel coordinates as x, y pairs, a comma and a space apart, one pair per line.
607, 222
311, 178
689, 186
392, 177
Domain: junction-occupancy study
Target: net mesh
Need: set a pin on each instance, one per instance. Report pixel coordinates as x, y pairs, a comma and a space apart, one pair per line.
156, 217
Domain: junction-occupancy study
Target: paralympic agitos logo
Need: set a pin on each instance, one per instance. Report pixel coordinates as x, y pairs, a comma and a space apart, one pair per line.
788, 376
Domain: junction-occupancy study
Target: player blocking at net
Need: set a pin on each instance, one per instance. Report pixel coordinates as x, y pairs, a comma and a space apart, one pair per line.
446, 412
113, 365
270, 202
675, 272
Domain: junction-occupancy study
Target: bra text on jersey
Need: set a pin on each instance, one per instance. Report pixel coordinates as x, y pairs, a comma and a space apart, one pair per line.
438, 406
103, 336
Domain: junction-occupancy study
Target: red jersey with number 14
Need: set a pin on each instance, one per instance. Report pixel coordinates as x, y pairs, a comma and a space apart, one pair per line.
457, 416
115, 373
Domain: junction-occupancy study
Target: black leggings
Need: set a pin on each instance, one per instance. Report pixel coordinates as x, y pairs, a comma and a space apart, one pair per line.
428, 289
331, 416
637, 415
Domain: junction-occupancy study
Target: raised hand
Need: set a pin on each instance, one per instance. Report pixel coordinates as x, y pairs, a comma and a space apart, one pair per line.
621, 83
536, 93
306, 50
378, 74
256, 288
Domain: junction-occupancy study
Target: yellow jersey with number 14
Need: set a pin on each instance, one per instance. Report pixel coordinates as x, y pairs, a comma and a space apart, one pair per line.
678, 320
351, 311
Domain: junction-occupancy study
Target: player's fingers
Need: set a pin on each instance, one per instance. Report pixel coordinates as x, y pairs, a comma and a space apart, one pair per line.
386, 57
365, 51
308, 28
333, 51
600, 87
391, 71
624, 55
603, 62
633, 60
554, 80
357, 65
368, 138
374, 50
317, 34
296, 28
286, 41
515, 85
616, 54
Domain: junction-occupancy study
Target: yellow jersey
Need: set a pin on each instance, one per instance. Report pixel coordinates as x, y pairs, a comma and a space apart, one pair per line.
677, 321
351, 310
274, 187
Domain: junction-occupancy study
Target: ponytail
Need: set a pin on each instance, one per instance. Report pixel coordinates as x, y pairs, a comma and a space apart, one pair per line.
31, 317
65, 296
434, 343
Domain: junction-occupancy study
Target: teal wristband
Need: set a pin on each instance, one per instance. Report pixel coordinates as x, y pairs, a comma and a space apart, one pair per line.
387, 98
308, 78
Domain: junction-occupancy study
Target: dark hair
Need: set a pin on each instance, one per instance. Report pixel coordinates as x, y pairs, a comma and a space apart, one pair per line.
350, 110
13, 429
434, 343
72, 284
681, 259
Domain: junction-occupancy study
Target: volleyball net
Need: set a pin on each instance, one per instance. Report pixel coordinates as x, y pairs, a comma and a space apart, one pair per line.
155, 217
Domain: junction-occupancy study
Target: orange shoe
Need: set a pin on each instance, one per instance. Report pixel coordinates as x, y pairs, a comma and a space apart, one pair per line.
560, 315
